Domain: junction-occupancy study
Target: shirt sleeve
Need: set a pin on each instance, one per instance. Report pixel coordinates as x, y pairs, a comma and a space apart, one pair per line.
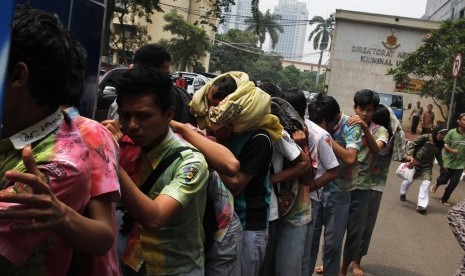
104, 158
287, 147
382, 135
255, 154
326, 154
353, 137
190, 177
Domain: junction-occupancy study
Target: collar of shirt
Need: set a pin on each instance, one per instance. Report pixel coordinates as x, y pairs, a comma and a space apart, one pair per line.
340, 124
155, 156
72, 112
37, 131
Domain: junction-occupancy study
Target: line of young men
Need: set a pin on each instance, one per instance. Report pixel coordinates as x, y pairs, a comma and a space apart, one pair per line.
167, 237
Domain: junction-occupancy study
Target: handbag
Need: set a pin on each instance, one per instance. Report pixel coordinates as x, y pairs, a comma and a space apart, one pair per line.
406, 171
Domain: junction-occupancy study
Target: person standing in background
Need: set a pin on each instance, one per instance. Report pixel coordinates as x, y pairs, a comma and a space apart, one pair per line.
427, 120
415, 117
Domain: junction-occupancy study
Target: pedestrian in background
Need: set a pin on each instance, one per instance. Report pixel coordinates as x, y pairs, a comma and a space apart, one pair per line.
454, 160
415, 117
427, 120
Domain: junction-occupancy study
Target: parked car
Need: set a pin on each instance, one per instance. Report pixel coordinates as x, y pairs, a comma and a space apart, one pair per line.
309, 96
106, 92
194, 81
395, 102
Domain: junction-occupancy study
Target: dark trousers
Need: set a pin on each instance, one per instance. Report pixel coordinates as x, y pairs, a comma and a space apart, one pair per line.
451, 175
415, 121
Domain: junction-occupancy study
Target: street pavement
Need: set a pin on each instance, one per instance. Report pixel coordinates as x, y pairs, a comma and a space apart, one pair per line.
406, 243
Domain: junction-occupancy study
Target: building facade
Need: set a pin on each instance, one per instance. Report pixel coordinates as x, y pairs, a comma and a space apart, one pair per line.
294, 16
444, 9
364, 47
191, 10
304, 66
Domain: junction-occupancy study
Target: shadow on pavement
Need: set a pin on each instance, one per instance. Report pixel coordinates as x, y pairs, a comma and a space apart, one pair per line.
383, 270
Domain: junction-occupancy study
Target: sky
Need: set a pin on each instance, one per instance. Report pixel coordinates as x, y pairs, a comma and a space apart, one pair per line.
406, 8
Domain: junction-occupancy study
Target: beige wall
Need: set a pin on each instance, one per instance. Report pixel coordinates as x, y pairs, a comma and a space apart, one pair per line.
304, 66
359, 60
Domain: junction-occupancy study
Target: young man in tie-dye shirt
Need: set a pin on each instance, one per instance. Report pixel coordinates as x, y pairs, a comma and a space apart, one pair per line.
44, 160
374, 139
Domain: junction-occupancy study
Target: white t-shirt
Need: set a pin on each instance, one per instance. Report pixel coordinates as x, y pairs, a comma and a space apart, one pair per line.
283, 148
325, 157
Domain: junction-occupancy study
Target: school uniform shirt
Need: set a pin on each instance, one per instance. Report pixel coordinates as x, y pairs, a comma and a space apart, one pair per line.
254, 152
347, 137
366, 159
455, 140
325, 158
104, 158
62, 156
177, 247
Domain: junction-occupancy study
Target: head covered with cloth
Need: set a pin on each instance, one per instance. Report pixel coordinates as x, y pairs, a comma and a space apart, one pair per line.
232, 99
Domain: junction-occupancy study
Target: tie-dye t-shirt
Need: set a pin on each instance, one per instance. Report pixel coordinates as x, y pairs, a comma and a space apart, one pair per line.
104, 158
347, 137
366, 159
177, 247
62, 157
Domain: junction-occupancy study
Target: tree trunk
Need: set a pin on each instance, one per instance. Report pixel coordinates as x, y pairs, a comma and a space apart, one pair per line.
440, 109
318, 72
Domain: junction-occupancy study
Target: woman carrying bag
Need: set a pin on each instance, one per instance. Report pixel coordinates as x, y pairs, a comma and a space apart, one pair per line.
421, 153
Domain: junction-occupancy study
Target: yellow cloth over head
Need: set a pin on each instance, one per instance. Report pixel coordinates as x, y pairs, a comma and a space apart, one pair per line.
246, 109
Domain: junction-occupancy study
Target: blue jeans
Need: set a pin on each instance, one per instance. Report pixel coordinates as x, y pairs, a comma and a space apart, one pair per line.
290, 248
335, 217
253, 251
224, 258
358, 214
312, 243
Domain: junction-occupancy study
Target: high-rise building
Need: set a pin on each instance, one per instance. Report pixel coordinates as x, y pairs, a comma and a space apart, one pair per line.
234, 19
444, 9
293, 20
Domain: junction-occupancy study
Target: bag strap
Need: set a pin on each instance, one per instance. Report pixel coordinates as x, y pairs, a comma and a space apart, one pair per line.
164, 164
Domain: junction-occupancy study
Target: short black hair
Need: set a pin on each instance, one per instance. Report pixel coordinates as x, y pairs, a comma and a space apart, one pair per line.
296, 98
382, 117
226, 85
142, 81
56, 61
323, 107
366, 97
151, 55
271, 89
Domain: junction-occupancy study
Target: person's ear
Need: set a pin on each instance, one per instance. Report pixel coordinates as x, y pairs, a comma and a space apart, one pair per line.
20, 74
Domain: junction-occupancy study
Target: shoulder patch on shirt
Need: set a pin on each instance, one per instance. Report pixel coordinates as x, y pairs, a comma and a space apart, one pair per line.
328, 141
191, 171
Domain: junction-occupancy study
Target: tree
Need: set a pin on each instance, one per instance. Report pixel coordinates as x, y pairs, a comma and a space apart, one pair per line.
129, 34
216, 9
234, 51
267, 67
289, 77
321, 35
263, 24
432, 62
189, 43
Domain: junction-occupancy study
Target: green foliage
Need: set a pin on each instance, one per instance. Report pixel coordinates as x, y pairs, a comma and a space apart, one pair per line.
261, 24
432, 62
189, 43
234, 51
129, 34
267, 66
291, 77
